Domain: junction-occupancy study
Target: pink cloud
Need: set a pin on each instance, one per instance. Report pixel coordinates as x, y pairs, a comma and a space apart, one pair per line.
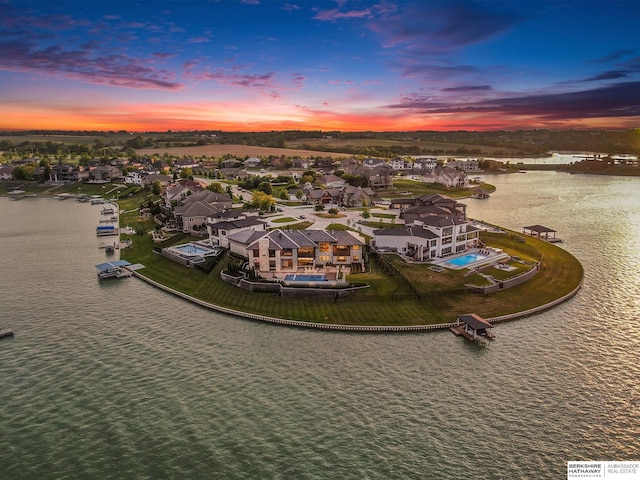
84, 65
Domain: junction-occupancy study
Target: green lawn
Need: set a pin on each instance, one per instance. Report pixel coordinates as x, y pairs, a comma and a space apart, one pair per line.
390, 298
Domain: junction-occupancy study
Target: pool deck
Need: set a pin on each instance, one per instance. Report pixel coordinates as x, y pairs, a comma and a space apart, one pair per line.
490, 256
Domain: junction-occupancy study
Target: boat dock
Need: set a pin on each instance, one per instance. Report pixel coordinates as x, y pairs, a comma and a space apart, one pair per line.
472, 327
115, 269
6, 333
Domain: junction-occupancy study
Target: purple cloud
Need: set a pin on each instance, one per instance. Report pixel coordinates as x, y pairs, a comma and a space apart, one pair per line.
619, 100
614, 56
83, 64
436, 27
469, 88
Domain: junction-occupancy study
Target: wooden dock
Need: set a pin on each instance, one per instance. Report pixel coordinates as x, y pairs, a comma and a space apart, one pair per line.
6, 333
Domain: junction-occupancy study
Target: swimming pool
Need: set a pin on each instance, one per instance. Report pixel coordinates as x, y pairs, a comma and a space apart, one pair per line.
188, 250
301, 277
465, 260
192, 249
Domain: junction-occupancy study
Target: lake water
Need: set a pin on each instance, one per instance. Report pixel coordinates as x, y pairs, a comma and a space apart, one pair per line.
119, 380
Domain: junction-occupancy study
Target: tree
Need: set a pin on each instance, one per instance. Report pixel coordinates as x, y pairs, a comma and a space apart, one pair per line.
262, 201
215, 187
265, 187
156, 188
366, 213
319, 207
333, 211
186, 172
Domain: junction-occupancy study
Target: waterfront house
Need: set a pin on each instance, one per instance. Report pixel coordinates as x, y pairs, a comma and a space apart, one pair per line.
193, 216
221, 229
280, 251
434, 237
448, 177
436, 226
424, 165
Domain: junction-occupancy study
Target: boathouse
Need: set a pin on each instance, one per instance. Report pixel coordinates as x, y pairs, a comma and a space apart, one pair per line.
540, 231
474, 326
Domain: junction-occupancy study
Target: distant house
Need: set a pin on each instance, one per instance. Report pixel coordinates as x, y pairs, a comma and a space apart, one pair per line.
326, 164
379, 177
6, 172
398, 164
424, 165
153, 177
279, 251
103, 174
133, 178
449, 177
469, 166
252, 162
357, 196
64, 173
330, 196
332, 181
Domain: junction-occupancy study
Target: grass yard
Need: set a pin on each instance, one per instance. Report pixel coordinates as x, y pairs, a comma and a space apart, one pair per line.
417, 296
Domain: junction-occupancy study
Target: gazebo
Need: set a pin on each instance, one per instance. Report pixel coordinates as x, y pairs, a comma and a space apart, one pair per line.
539, 231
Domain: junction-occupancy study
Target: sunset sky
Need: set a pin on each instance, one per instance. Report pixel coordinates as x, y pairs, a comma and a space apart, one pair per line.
154, 65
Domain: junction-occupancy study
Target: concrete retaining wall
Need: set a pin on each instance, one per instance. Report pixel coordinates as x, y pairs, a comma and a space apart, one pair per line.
351, 328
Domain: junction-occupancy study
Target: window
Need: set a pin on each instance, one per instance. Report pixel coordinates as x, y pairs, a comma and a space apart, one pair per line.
447, 231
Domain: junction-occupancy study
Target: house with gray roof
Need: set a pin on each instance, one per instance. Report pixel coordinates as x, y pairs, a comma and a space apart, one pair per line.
286, 251
220, 230
193, 216
436, 226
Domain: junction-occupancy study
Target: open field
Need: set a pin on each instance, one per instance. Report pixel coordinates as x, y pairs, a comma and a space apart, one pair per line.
379, 142
237, 150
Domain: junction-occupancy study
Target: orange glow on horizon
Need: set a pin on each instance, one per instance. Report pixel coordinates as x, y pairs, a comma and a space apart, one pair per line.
249, 117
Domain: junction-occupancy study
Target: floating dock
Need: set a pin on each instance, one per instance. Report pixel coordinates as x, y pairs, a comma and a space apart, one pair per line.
6, 333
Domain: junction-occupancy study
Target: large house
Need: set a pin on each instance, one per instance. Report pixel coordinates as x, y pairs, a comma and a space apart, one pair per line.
436, 226
280, 251
221, 227
192, 211
448, 177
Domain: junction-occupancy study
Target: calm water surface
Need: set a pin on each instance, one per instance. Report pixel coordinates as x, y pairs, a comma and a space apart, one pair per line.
119, 380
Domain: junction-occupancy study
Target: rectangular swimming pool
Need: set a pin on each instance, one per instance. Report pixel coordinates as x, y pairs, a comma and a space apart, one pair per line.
465, 260
301, 277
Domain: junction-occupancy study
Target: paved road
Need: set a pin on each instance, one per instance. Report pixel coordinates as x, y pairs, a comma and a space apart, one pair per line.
307, 213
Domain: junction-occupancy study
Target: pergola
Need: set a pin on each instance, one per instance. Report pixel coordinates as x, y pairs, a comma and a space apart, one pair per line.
539, 230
